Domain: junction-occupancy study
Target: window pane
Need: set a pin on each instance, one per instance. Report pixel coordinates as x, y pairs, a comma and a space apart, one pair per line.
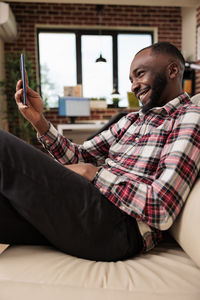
128, 46
57, 64
97, 78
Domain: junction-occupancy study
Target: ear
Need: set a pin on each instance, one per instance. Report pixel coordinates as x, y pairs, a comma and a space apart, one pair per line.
173, 70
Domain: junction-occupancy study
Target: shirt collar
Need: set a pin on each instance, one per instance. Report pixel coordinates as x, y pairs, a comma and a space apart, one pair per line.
170, 106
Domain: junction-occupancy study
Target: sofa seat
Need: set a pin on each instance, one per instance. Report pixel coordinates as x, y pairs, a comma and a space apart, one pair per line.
38, 272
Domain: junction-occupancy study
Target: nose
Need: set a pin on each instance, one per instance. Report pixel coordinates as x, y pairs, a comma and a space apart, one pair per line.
135, 86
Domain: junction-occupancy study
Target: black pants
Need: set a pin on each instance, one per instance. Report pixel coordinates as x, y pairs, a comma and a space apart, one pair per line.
42, 202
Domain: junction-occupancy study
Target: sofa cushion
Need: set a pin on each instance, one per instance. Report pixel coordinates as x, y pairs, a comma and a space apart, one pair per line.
185, 230
196, 99
36, 272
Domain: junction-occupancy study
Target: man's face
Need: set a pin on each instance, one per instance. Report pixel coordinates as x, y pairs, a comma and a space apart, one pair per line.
149, 80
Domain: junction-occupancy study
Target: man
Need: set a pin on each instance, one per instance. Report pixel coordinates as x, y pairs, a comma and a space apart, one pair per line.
111, 197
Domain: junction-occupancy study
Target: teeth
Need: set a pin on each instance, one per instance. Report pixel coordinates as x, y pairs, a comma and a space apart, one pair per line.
142, 95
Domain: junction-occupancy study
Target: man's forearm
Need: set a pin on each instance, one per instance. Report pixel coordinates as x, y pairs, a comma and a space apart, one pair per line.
41, 126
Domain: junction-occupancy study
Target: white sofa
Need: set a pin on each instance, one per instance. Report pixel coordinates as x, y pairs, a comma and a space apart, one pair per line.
169, 272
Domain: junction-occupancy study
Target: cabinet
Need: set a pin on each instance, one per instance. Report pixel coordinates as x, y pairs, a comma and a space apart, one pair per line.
79, 132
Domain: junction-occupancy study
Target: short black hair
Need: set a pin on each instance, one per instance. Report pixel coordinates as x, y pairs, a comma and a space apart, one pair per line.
167, 48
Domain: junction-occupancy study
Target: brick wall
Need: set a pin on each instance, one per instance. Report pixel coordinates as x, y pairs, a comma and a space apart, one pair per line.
28, 15
166, 19
197, 75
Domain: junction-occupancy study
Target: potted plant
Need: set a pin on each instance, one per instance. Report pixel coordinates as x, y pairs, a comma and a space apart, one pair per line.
16, 122
98, 103
115, 102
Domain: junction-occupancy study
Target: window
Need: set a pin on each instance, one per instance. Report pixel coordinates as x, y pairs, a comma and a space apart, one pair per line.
57, 52
97, 78
67, 58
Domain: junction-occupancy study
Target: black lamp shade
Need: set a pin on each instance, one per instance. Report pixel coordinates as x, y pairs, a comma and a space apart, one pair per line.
100, 59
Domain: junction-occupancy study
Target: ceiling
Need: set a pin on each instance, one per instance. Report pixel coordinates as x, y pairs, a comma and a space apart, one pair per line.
180, 3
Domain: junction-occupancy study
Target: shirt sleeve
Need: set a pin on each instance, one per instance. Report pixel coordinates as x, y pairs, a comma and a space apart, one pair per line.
159, 202
93, 151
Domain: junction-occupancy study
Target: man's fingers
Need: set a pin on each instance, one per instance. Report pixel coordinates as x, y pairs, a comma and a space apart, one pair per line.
18, 85
19, 95
22, 106
19, 82
32, 93
18, 98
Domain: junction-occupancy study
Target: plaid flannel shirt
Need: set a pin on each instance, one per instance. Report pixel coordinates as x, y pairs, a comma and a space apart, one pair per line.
149, 162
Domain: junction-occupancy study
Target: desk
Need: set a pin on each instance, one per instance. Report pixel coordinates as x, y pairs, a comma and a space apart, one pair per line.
80, 131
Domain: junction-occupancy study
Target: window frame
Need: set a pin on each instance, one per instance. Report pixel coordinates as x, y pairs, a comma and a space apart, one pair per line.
92, 31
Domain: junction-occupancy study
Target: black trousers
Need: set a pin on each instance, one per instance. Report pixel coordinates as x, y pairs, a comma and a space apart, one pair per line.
42, 202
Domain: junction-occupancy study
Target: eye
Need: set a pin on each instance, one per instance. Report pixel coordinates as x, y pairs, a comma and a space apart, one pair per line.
140, 73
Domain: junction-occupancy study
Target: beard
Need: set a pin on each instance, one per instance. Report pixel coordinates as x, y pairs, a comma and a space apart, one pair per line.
159, 84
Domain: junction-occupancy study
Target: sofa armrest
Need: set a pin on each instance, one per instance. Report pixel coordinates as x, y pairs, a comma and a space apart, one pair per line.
185, 229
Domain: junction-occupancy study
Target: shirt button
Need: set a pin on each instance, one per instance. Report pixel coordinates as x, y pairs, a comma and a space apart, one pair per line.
136, 139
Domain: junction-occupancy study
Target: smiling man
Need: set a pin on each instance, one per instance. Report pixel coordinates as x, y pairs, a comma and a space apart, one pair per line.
156, 74
112, 197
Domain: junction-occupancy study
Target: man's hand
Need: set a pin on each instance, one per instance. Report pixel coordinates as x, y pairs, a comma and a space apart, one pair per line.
34, 108
33, 111
86, 170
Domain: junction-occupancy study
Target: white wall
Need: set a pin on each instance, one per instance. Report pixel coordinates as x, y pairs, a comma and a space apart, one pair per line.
189, 33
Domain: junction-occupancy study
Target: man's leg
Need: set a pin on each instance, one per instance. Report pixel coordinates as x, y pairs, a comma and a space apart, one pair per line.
14, 229
63, 206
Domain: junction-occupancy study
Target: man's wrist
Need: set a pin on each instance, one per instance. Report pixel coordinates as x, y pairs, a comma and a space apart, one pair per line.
41, 126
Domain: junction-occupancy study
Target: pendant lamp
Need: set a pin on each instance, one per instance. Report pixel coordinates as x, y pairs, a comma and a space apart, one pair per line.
100, 59
99, 9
